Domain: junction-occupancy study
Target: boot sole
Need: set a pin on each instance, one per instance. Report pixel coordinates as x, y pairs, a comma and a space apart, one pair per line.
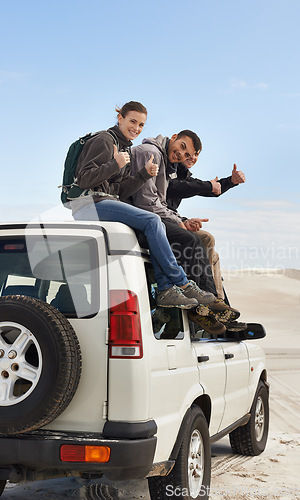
223, 317
226, 316
180, 306
213, 331
236, 327
203, 310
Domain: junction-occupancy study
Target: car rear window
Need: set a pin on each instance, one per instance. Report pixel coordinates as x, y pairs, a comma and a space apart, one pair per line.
61, 271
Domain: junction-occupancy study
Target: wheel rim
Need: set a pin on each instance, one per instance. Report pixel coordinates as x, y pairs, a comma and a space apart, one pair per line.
259, 419
195, 464
20, 363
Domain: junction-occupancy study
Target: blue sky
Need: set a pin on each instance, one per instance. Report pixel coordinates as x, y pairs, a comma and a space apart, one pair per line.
227, 70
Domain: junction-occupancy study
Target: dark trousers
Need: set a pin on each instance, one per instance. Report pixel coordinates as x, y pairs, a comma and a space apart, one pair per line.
191, 255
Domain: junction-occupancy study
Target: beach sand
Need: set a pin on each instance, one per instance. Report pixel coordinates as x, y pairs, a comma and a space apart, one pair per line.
263, 296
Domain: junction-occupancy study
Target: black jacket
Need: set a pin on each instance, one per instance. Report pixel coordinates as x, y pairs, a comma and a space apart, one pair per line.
186, 186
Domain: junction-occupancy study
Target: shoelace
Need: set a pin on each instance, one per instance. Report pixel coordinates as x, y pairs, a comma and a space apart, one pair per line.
221, 301
195, 287
179, 290
175, 288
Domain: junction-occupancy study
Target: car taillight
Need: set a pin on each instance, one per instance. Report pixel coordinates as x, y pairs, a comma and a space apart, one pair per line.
84, 453
125, 337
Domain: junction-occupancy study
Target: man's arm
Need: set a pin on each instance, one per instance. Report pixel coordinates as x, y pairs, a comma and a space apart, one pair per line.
196, 187
151, 196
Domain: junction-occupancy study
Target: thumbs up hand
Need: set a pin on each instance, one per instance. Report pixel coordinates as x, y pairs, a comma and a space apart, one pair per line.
152, 168
216, 186
122, 158
237, 176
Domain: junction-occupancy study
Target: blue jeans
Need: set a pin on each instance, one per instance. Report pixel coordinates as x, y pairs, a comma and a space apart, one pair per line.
166, 270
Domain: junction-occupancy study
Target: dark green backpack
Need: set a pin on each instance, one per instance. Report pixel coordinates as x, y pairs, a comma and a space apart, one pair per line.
70, 190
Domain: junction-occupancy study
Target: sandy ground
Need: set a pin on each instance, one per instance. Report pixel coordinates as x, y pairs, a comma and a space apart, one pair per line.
272, 298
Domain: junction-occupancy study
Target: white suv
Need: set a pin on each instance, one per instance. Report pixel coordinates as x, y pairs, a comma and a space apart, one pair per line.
94, 379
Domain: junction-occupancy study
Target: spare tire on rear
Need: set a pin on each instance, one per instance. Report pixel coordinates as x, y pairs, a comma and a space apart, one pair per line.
40, 364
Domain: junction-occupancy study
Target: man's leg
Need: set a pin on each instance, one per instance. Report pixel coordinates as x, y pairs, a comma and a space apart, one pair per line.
209, 243
191, 255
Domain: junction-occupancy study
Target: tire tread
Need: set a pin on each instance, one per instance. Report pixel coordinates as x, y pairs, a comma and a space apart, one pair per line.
158, 485
242, 439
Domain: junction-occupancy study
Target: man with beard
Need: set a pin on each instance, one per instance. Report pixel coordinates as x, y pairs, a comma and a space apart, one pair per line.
187, 247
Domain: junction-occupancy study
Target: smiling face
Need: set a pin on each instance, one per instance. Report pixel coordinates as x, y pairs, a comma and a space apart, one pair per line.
132, 124
180, 149
189, 162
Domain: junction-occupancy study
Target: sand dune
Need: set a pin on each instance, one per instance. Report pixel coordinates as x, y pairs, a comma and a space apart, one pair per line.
270, 297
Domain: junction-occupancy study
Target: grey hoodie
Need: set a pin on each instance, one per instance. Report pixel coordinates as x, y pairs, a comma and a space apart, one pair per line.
152, 196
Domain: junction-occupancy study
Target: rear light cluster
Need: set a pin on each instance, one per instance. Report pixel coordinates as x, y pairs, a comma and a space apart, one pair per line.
125, 336
84, 453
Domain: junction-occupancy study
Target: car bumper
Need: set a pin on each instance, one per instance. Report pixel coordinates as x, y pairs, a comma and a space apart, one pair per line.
40, 451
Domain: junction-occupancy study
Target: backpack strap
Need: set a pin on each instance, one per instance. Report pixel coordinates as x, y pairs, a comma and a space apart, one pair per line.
115, 139
72, 190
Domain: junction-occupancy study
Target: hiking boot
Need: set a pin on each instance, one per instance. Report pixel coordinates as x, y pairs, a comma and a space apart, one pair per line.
209, 324
173, 297
222, 311
193, 291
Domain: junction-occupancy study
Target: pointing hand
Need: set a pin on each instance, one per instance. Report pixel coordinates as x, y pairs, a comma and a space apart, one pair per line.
194, 224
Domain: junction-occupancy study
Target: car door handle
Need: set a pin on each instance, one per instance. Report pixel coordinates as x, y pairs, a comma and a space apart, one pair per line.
202, 358
229, 356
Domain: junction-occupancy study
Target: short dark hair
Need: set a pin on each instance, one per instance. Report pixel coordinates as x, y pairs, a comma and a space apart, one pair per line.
131, 106
196, 140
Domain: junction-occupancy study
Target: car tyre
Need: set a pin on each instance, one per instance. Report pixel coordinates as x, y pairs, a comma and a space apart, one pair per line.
190, 476
40, 364
251, 439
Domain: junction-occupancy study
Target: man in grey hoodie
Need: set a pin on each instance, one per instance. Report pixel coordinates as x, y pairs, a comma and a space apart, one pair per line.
186, 246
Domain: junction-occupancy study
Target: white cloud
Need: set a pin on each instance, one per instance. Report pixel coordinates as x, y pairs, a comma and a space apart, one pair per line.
286, 126
8, 76
270, 204
235, 84
292, 94
262, 86
26, 213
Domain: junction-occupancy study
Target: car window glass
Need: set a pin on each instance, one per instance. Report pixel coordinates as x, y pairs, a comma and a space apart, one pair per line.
166, 322
62, 273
